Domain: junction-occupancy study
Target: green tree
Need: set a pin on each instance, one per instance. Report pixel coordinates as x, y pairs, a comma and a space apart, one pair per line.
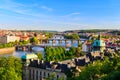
40, 56
72, 50
72, 36
34, 40
78, 52
91, 72
10, 68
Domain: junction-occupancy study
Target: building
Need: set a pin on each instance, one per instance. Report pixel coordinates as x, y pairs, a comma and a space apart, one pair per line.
98, 45
33, 69
86, 47
24, 37
8, 38
42, 38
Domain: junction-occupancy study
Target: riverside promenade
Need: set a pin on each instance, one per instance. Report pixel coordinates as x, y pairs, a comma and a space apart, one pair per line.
7, 50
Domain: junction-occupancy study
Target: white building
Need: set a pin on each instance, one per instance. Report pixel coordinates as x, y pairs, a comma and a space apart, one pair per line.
86, 47
7, 39
33, 69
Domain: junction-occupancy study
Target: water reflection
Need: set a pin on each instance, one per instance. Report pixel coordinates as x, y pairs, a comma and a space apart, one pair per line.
39, 49
15, 53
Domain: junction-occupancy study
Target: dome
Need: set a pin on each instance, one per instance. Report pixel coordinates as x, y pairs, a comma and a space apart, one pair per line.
99, 43
29, 56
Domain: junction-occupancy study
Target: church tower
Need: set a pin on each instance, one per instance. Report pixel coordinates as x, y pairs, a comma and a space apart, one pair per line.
98, 44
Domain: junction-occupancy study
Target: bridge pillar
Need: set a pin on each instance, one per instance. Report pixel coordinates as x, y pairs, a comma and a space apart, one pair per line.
16, 48
40, 41
19, 48
30, 48
72, 41
23, 48
78, 42
47, 41
60, 41
53, 41
60, 37
66, 42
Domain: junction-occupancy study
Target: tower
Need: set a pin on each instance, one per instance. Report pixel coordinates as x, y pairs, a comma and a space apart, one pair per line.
98, 44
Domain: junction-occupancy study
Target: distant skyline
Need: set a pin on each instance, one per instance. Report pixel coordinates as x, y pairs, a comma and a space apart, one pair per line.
59, 15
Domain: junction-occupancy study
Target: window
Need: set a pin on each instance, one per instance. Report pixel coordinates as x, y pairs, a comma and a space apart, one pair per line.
37, 75
33, 74
40, 73
37, 72
57, 76
30, 73
40, 78
48, 74
44, 73
97, 43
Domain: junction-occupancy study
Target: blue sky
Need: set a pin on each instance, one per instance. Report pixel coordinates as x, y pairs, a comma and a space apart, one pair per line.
59, 15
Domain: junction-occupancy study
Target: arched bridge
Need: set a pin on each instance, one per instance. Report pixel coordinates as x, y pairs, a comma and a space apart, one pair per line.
29, 47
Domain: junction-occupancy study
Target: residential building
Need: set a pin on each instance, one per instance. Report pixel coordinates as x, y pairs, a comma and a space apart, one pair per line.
86, 47
33, 69
24, 37
8, 38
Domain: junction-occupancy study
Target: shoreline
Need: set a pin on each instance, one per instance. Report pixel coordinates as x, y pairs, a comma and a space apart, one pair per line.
7, 50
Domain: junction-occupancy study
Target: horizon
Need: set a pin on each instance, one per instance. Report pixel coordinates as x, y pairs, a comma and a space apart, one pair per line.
59, 15
58, 30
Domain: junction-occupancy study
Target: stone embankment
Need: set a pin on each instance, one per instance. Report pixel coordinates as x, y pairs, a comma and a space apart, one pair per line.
7, 50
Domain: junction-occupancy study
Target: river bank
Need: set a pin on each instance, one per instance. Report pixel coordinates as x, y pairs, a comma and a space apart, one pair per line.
7, 50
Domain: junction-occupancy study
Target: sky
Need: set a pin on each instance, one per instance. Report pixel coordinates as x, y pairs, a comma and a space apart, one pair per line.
59, 15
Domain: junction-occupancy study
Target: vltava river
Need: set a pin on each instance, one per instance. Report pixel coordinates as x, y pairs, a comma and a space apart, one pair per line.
39, 49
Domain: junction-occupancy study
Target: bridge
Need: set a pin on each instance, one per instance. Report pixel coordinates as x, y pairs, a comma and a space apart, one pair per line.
59, 40
29, 47
43, 43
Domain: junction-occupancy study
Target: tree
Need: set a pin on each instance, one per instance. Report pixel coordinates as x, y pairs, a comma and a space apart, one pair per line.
16, 42
9, 74
72, 50
51, 76
108, 69
78, 52
72, 36
80, 45
55, 54
34, 40
10, 68
40, 56
91, 72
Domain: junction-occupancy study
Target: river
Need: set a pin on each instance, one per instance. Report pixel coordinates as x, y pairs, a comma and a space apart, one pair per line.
39, 49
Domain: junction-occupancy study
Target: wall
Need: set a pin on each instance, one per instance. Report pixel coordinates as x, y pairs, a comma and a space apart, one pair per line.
3, 39
12, 38
31, 73
7, 50
7, 39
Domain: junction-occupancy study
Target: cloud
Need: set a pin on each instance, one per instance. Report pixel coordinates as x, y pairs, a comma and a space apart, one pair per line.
24, 9
71, 14
13, 7
46, 8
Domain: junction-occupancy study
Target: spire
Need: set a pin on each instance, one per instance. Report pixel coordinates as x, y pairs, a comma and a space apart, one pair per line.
99, 36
